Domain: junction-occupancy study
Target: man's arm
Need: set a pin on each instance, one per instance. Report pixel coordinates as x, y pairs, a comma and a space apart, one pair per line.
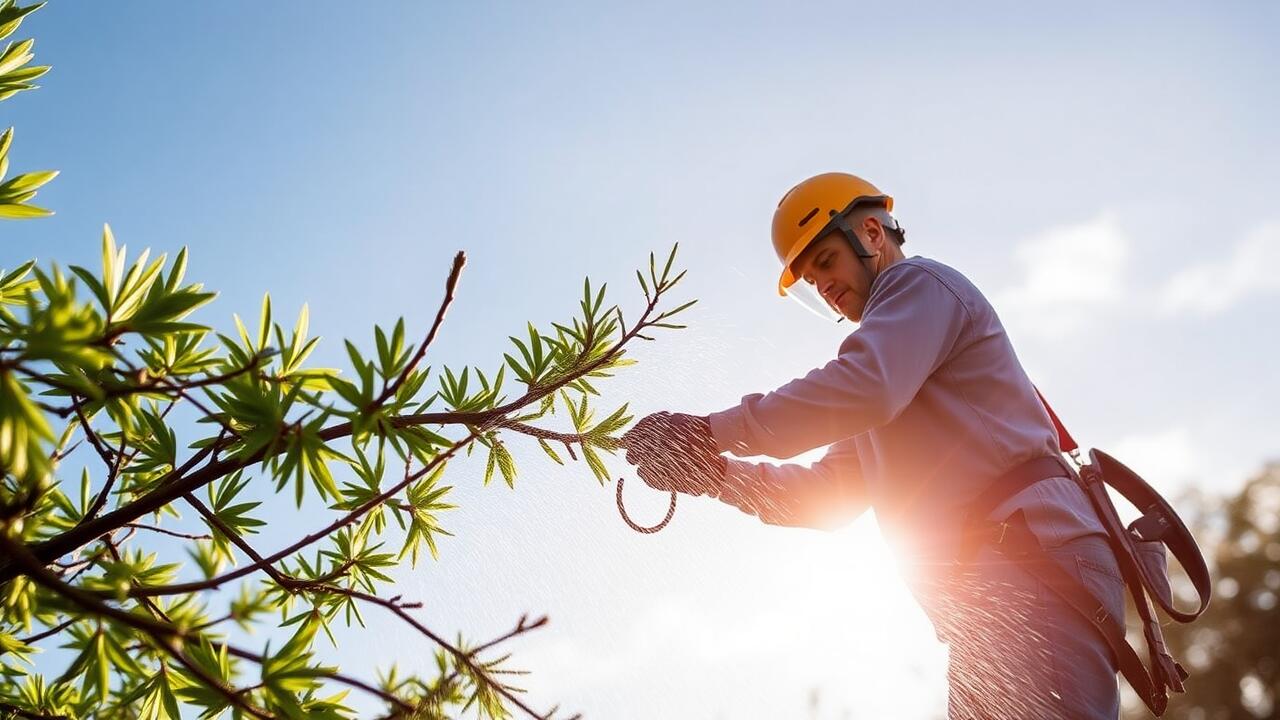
913, 323
823, 497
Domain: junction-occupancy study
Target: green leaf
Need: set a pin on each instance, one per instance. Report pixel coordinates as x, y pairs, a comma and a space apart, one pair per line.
666, 270
28, 182
612, 424
546, 447
264, 328
489, 466
595, 463
384, 350
112, 265
99, 291
506, 464
11, 16
425, 500
683, 307
19, 212
16, 55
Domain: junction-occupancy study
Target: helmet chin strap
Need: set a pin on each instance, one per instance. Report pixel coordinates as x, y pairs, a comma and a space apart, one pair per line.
858, 249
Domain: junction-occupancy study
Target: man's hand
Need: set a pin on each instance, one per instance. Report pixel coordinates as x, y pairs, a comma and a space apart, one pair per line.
676, 452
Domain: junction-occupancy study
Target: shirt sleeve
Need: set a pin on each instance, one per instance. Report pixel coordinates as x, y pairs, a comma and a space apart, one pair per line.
912, 325
823, 497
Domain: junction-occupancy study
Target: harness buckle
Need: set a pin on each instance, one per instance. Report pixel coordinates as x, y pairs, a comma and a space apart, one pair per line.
1075, 458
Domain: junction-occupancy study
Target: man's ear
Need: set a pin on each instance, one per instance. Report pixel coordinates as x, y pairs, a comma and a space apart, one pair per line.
874, 231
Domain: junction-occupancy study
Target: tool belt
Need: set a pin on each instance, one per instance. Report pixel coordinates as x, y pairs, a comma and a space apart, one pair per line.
1140, 550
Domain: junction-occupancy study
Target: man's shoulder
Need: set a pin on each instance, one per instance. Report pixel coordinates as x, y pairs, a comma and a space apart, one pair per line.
951, 278
937, 268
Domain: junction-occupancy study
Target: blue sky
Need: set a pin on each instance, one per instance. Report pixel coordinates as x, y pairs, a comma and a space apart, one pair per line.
1106, 174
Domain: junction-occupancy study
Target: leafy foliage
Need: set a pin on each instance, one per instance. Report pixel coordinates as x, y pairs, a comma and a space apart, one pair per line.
83, 376
92, 364
15, 76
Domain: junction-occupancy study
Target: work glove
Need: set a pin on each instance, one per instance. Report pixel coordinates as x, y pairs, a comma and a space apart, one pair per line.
676, 452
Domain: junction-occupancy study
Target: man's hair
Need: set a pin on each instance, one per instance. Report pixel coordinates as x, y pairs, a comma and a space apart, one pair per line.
882, 214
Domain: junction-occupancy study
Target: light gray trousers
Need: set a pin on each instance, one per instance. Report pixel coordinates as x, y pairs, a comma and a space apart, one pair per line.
1017, 650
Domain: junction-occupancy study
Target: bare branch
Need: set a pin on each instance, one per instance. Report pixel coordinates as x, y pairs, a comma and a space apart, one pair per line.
51, 631
450, 285
172, 533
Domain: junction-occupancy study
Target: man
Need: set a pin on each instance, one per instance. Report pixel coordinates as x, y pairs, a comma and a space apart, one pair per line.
925, 409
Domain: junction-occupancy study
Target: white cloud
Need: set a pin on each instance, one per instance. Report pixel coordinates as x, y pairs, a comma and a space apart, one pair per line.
1166, 459
1212, 287
1068, 274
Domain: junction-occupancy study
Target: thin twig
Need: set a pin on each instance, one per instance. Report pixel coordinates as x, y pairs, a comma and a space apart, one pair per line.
450, 285
332, 675
162, 384
51, 631
173, 533
458, 654
338, 524
112, 473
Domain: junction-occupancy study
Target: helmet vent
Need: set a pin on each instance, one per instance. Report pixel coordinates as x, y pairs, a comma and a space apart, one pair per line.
808, 217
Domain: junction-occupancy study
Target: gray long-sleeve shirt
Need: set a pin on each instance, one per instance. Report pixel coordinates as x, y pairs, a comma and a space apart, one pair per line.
925, 404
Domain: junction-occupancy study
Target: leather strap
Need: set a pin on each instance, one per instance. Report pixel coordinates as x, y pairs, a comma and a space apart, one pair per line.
1015, 480
975, 531
1065, 442
1159, 523
1018, 541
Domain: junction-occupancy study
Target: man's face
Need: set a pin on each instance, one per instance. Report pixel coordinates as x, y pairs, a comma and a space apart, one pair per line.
831, 267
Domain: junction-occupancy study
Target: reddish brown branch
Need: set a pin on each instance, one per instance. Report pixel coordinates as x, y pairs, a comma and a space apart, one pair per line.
51, 631
450, 285
172, 533
265, 562
177, 482
463, 657
164, 634
162, 384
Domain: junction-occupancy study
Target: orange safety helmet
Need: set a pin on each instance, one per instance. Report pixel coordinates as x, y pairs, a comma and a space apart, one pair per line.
809, 208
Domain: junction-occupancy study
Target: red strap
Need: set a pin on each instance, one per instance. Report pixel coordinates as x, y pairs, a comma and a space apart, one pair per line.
1065, 442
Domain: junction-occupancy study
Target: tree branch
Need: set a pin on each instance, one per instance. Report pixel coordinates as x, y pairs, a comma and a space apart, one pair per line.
162, 633
450, 285
462, 657
51, 631
113, 470
171, 533
262, 563
176, 483
161, 384
22, 713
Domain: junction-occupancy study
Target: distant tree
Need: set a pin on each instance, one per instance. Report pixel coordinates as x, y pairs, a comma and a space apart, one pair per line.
89, 383
1233, 650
